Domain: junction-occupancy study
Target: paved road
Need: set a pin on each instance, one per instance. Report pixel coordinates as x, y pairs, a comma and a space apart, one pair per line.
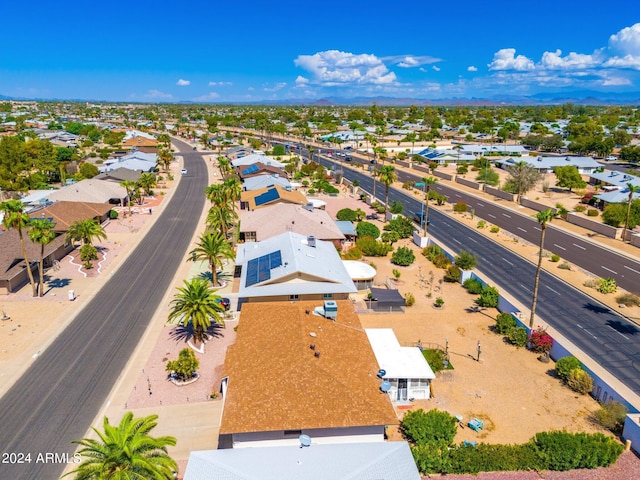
599, 332
59, 396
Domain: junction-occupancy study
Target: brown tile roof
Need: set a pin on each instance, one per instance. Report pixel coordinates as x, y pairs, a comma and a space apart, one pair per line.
262, 169
276, 383
284, 196
11, 258
64, 213
140, 142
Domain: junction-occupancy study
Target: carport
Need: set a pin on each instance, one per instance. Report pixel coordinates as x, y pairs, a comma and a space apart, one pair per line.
386, 300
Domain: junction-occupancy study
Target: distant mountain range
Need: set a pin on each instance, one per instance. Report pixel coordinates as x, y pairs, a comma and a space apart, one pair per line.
578, 97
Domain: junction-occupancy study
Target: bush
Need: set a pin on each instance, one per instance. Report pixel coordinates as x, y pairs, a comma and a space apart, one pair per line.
565, 365
429, 428
580, 381
390, 237
489, 297
607, 285
373, 248
367, 229
113, 214
354, 253
465, 260
473, 286
555, 258
580, 208
567, 451
453, 274
439, 302
540, 341
611, 416
431, 252
346, 214
403, 256
564, 266
441, 261
403, 226
628, 300
409, 299
396, 207
592, 212
494, 229
460, 207
591, 283
481, 225
504, 323
435, 358
518, 336
185, 367
88, 253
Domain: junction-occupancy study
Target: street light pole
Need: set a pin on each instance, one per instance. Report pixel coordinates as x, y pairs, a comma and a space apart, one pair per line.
422, 219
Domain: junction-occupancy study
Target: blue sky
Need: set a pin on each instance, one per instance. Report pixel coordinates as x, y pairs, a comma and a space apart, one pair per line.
252, 50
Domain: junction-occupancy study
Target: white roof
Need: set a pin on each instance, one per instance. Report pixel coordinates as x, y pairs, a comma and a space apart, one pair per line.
89, 190
548, 163
340, 461
397, 361
255, 158
264, 181
359, 270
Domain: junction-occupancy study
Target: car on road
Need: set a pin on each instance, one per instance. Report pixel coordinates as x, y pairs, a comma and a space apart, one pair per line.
183, 171
225, 302
611, 157
419, 218
348, 147
372, 216
195, 148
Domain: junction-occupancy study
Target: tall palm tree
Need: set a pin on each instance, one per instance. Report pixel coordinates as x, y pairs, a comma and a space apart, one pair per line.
224, 166
220, 217
41, 232
165, 156
147, 182
214, 248
633, 189
198, 306
543, 218
388, 175
126, 452
428, 183
232, 188
86, 230
15, 217
130, 187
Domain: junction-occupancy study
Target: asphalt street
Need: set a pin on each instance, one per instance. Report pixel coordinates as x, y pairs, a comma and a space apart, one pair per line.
59, 396
599, 332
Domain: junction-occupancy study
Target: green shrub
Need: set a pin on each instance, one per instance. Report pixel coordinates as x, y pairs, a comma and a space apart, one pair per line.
354, 253
372, 247
580, 381
367, 229
504, 323
494, 229
481, 225
403, 226
567, 451
403, 256
453, 274
441, 261
409, 299
346, 214
460, 207
487, 458
390, 237
592, 212
185, 367
628, 300
396, 207
465, 260
555, 258
564, 266
607, 285
473, 286
611, 415
489, 297
518, 336
565, 365
435, 358
580, 208
113, 214
429, 428
431, 251
439, 302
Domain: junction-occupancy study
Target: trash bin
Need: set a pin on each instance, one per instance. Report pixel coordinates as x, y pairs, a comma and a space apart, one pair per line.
72, 295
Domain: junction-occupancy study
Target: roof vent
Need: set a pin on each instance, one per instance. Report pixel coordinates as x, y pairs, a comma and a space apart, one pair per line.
308, 206
316, 354
311, 241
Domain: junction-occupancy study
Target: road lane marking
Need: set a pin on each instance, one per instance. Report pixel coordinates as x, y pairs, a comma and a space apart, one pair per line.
459, 196
623, 336
585, 330
609, 270
583, 248
492, 216
633, 270
508, 216
507, 261
479, 204
560, 247
554, 291
522, 229
537, 228
457, 241
474, 241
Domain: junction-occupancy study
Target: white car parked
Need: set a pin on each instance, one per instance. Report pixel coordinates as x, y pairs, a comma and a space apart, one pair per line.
183, 171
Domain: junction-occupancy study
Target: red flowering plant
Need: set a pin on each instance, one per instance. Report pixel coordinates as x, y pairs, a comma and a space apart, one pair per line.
540, 340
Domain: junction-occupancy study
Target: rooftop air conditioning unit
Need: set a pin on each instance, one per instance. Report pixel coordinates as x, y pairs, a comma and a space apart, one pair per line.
311, 241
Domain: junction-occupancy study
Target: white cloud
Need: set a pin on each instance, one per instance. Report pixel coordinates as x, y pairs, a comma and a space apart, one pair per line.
616, 82
220, 84
251, 89
157, 94
333, 67
276, 87
183, 83
555, 60
471, 68
505, 59
302, 81
436, 68
410, 61
628, 61
626, 41
207, 98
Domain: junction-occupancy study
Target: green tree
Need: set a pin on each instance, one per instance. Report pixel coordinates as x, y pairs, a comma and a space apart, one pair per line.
403, 256
367, 229
488, 176
16, 218
215, 249
196, 305
522, 178
127, 451
465, 260
86, 230
147, 182
387, 176
41, 232
428, 183
434, 427
88, 253
569, 177
131, 188
185, 366
543, 218
633, 189
88, 170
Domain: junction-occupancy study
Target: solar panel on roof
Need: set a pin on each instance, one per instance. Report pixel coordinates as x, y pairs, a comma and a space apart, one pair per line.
275, 259
252, 272
259, 269
251, 169
268, 196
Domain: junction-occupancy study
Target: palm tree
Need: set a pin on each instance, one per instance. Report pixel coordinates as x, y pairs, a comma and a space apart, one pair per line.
126, 452
543, 218
130, 187
388, 175
214, 248
224, 166
165, 156
220, 217
41, 232
632, 190
428, 183
146, 182
198, 306
86, 230
232, 188
15, 217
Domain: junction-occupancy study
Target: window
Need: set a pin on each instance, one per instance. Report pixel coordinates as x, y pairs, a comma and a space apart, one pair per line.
292, 433
327, 295
249, 236
294, 297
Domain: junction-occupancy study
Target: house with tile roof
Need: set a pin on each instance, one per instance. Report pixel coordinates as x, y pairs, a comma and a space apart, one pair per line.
257, 169
139, 141
64, 213
120, 175
264, 223
293, 373
263, 197
292, 267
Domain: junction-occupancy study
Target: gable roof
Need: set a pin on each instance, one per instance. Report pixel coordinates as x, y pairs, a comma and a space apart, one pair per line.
265, 181
266, 196
11, 257
140, 141
348, 461
255, 158
303, 269
277, 383
283, 217
120, 174
258, 168
89, 190
64, 213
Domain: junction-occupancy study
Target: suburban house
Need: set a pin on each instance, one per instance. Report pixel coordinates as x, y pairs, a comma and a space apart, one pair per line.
256, 158
64, 213
145, 162
585, 165
119, 175
254, 199
257, 169
405, 369
90, 191
140, 142
445, 156
344, 461
263, 223
266, 181
234, 153
292, 267
292, 373
498, 149
616, 186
